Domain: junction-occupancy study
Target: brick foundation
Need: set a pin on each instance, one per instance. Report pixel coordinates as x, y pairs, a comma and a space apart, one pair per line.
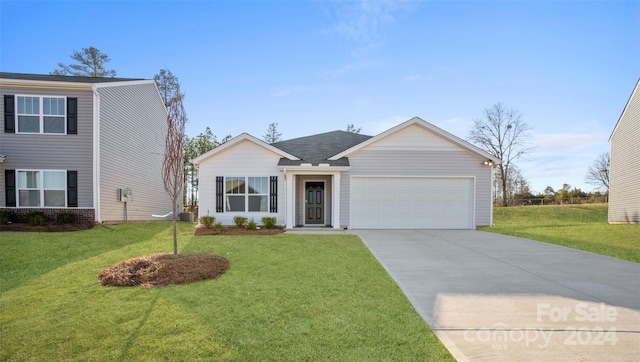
50, 213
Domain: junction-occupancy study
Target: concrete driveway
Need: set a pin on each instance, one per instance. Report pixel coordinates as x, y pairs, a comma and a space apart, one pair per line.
495, 297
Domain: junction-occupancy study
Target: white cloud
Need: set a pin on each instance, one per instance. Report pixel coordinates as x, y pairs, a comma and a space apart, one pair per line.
360, 20
412, 78
359, 66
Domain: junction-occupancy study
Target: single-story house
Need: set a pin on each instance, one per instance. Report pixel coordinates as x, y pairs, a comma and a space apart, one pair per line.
414, 175
624, 167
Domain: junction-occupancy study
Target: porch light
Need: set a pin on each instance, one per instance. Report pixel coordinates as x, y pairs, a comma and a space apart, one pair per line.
488, 163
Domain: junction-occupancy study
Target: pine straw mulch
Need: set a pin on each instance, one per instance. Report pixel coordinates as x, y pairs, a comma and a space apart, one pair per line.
47, 227
234, 230
157, 270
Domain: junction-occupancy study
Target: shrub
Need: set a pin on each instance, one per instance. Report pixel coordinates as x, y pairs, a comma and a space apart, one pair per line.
251, 225
207, 221
240, 221
66, 218
218, 226
269, 222
35, 218
7, 216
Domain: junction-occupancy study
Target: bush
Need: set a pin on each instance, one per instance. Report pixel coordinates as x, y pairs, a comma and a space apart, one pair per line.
7, 216
35, 218
240, 221
251, 225
269, 222
207, 221
218, 226
66, 218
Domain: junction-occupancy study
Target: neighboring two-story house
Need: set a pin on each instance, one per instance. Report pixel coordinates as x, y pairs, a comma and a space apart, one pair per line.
76, 143
624, 172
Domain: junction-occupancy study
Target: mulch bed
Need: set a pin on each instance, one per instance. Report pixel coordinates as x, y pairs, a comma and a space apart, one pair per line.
234, 230
156, 270
47, 227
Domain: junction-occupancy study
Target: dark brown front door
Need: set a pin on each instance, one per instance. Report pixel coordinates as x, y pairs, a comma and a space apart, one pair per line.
314, 203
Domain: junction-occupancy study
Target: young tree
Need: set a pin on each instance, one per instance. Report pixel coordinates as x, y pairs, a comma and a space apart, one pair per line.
90, 63
352, 128
598, 173
272, 134
168, 85
172, 167
502, 133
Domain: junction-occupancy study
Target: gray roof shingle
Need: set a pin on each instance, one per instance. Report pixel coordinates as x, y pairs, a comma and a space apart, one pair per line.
317, 148
63, 78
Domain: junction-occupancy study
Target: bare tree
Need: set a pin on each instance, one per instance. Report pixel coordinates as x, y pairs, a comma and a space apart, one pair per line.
272, 134
598, 173
352, 128
172, 167
502, 133
90, 64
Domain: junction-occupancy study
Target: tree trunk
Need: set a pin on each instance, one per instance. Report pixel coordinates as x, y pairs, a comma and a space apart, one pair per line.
175, 226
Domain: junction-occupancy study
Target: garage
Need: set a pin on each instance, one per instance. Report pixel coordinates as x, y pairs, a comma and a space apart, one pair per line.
412, 203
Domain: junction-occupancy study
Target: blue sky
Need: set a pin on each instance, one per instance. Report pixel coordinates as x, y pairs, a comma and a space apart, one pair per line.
316, 66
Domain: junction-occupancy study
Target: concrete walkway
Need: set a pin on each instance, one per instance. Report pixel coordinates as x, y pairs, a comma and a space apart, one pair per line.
492, 297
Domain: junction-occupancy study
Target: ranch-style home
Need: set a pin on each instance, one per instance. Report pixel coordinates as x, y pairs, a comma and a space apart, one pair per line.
80, 144
624, 172
412, 176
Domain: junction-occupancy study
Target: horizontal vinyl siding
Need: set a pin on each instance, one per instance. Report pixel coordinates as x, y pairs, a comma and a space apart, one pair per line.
426, 163
52, 152
133, 124
624, 187
241, 160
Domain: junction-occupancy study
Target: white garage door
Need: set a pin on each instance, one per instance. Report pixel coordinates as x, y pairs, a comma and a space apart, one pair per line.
411, 203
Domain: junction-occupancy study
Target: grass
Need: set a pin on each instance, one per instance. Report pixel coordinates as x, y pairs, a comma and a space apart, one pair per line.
579, 227
284, 297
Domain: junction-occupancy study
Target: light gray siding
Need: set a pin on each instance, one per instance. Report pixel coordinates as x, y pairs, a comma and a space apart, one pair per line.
133, 124
624, 177
53, 152
242, 160
422, 163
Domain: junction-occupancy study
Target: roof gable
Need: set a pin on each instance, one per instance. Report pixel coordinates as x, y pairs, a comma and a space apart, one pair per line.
318, 148
633, 98
417, 128
237, 140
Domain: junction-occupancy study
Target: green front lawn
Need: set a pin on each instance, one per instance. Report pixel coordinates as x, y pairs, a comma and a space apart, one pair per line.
580, 227
284, 297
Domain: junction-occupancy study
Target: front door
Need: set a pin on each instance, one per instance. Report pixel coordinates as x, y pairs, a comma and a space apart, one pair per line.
314, 203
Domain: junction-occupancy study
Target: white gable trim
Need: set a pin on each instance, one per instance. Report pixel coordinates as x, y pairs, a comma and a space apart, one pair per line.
236, 140
426, 125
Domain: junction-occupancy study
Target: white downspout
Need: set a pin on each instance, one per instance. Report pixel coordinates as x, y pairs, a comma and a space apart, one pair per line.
96, 153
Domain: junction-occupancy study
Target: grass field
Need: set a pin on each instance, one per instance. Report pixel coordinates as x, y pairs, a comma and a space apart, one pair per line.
580, 227
285, 297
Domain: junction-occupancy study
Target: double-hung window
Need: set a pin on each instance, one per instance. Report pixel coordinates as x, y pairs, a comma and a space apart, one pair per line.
42, 188
38, 114
247, 194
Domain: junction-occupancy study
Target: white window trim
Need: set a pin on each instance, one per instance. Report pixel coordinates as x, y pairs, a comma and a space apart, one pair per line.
41, 114
41, 189
246, 194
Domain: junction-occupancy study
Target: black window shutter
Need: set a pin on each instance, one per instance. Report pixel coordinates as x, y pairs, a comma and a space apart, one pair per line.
72, 188
10, 187
9, 114
219, 194
273, 194
72, 115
